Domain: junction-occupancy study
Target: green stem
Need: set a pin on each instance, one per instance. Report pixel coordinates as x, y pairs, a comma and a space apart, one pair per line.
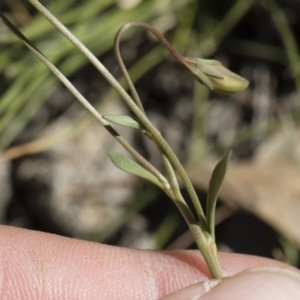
208, 250
176, 196
157, 138
122, 66
120, 61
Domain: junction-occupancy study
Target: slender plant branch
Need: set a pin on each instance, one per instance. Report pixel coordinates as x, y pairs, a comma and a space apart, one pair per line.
89, 107
179, 58
160, 37
118, 56
131, 104
179, 200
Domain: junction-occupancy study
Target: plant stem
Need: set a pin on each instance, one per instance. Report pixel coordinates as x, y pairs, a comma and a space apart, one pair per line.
160, 37
131, 104
177, 196
208, 250
118, 56
137, 100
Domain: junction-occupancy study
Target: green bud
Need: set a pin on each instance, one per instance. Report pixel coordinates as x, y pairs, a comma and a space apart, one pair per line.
215, 76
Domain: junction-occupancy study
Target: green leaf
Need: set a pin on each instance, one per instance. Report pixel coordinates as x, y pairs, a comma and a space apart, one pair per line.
130, 166
125, 121
214, 187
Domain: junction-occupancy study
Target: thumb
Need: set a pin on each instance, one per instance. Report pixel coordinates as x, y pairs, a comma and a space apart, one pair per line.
255, 283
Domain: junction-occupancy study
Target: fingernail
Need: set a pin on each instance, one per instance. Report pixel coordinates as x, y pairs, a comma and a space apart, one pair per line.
258, 283
194, 291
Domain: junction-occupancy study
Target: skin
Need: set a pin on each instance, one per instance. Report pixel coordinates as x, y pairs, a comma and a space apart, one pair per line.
37, 265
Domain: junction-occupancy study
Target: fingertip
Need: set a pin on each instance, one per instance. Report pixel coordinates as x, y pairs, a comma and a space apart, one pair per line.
194, 291
258, 283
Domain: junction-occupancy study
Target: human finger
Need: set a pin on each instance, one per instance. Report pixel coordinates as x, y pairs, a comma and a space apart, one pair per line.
35, 265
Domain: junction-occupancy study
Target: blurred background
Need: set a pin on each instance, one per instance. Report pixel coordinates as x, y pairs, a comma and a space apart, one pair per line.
55, 175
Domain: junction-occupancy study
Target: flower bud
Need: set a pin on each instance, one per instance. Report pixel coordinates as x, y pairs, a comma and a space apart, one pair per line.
215, 76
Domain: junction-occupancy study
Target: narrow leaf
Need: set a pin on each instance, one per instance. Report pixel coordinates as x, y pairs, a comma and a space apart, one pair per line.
16, 31
214, 187
130, 166
125, 121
